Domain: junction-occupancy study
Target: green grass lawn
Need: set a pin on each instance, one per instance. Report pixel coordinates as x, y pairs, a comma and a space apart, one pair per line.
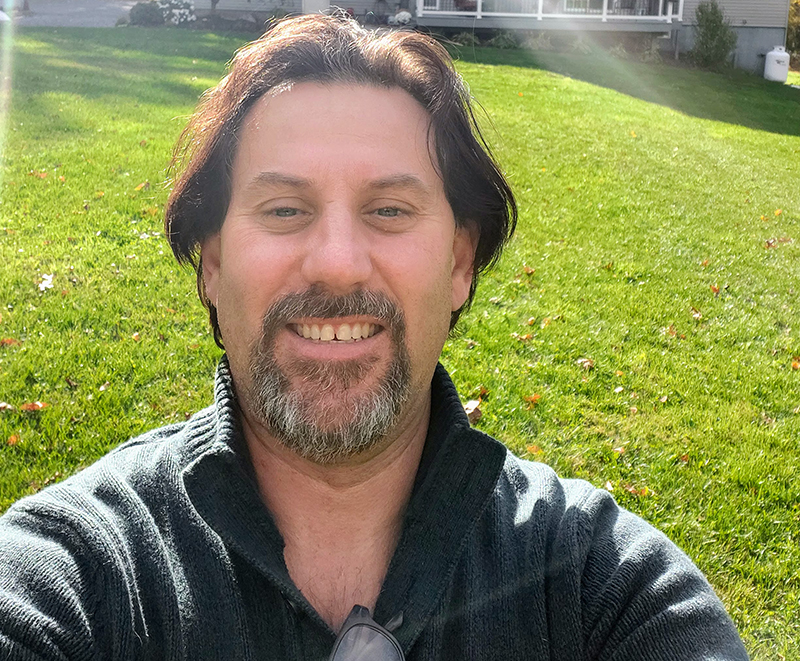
641, 331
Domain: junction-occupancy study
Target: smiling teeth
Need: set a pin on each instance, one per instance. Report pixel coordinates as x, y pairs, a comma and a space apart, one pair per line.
344, 333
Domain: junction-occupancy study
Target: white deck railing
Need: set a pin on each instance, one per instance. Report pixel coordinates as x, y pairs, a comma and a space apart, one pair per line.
615, 10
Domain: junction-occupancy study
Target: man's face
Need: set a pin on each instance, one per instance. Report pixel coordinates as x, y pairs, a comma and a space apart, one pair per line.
336, 268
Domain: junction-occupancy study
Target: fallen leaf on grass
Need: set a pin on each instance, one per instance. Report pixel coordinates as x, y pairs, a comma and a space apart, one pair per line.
62, 178
684, 458
99, 194
105, 386
145, 185
644, 491
546, 322
663, 399
533, 399
619, 451
136, 337
9, 342
715, 289
5, 406
33, 406
483, 392
764, 218
609, 486
705, 263
534, 449
619, 373
778, 212
143, 143
528, 270
72, 384
150, 211
522, 338
618, 389
39, 174
531, 321
12, 440
634, 410
796, 363
473, 410
585, 363
696, 314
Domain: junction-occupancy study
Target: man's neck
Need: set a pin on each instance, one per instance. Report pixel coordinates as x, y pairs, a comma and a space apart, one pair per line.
340, 523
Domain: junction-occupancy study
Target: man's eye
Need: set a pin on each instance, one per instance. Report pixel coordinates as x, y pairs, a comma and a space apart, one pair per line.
388, 212
285, 212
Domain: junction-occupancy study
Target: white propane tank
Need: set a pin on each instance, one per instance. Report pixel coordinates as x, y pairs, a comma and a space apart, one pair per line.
777, 65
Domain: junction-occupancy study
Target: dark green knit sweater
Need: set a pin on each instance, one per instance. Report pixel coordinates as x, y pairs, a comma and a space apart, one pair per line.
164, 550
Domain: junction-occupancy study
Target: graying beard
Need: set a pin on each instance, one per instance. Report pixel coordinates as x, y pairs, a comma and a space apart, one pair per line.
291, 418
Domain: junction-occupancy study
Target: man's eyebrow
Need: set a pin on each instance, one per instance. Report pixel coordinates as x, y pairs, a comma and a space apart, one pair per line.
408, 181
277, 179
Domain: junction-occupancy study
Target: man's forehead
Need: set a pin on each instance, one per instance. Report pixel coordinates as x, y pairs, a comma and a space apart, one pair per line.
383, 131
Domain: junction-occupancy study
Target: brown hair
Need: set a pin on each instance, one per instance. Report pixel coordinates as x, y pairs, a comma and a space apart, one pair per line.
336, 49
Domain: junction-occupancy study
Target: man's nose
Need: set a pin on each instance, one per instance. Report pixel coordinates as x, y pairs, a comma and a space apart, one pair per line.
338, 252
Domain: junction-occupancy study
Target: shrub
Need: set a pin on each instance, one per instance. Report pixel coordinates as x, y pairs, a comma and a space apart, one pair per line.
714, 38
619, 51
581, 45
651, 52
147, 14
504, 40
793, 34
467, 39
541, 42
177, 12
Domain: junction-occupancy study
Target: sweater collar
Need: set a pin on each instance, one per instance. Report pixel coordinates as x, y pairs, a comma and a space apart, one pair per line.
458, 472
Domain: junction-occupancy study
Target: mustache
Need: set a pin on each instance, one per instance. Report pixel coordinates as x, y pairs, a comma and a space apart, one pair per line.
316, 302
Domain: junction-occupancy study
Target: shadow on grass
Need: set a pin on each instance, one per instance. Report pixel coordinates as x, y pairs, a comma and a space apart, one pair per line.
734, 97
135, 65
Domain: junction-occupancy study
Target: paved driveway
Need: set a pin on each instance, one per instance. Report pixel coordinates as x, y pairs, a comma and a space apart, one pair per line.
72, 13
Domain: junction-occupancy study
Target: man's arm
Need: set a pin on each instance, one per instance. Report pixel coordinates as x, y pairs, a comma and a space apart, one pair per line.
642, 598
51, 579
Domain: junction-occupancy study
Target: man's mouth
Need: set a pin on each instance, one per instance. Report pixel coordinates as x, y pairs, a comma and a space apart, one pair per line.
336, 332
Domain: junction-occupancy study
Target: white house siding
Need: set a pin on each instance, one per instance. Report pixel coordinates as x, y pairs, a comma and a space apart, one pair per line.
237, 7
751, 13
359, 7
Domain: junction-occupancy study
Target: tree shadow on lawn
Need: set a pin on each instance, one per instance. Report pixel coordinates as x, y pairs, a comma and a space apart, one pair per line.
134, 65
733, 97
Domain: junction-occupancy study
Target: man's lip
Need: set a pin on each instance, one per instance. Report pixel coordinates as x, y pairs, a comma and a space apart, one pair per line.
343, 329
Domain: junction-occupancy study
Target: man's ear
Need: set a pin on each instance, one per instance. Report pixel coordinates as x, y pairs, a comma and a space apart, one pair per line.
465, 242
210, 251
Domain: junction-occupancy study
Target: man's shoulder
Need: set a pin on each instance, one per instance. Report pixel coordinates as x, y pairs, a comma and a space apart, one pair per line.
579, 519
141, 469
531, 481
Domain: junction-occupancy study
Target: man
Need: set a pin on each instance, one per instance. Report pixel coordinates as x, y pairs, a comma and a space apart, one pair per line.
339, 204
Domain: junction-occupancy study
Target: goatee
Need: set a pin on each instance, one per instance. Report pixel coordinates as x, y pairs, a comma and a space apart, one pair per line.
323, 419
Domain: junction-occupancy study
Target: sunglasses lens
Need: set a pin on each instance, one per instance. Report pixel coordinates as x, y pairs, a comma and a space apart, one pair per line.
364, 643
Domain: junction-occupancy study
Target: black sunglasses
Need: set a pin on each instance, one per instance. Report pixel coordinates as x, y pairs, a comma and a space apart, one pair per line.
362, 639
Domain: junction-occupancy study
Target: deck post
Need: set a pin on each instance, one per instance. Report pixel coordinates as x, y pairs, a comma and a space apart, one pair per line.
605, 11
660, 8
670, 6
680, 11
420, 7
540, 10
480, 8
